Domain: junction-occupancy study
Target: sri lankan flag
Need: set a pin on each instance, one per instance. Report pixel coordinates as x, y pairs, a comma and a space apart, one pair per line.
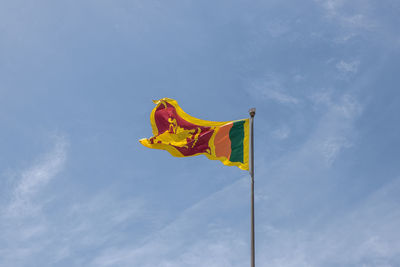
183, 135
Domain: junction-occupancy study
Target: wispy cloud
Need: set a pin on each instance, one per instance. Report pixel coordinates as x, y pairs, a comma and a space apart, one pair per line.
279, 96
30, 231
349, 67
219, 246
336, 128
22, 220
364, 235
281, 133
271, 88
338, 10
35, 178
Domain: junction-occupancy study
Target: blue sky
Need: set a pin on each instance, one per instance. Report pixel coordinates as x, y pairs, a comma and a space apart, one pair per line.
76, 83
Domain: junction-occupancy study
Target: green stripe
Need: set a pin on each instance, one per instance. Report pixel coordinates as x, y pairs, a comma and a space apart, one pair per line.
236, 134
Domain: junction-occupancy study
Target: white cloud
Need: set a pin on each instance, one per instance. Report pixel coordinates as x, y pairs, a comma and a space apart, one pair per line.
336, 130
281, 133
331, 147
31, 234
35, 178
219, 246
271, 88
278, 28
22, 220
332, 5
279, 96
323, 97
351, 23
364, 235
343, 38
348, 67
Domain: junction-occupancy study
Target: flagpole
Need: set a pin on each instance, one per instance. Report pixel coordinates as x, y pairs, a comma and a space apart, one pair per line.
252, 113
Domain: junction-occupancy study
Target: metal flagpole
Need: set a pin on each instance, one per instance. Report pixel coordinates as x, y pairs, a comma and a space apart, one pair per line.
252, 113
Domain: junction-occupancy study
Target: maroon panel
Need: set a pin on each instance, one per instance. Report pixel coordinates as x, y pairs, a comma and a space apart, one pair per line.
201, 145
166, 118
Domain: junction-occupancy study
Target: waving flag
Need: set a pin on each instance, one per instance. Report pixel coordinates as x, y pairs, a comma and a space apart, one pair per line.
183, 135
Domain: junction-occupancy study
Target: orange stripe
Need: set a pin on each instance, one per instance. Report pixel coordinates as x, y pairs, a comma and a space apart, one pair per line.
222, 142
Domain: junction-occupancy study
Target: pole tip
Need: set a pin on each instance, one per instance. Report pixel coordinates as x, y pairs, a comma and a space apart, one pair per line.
252, 112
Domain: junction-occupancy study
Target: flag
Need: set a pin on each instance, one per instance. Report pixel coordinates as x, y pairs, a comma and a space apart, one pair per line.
183, 135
